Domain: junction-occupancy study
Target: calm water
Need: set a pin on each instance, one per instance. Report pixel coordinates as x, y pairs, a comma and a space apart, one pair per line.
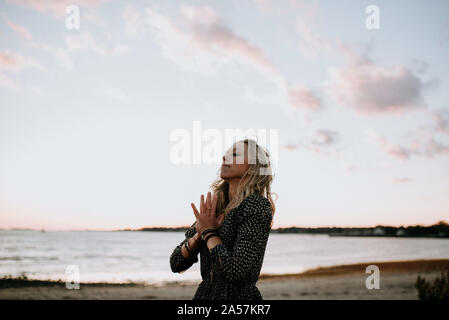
144, 256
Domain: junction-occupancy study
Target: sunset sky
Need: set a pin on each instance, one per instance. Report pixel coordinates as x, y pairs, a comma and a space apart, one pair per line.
86, 114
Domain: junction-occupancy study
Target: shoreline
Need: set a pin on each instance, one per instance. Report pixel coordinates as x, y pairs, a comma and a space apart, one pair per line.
420, 265
333, 282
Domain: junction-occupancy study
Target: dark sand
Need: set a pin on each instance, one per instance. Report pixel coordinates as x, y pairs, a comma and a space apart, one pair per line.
397, 281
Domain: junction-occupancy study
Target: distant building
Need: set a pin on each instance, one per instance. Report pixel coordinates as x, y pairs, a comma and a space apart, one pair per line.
379, 232
400, 232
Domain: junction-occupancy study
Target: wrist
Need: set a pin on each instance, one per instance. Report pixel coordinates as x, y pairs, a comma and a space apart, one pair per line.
207, 231
197, 237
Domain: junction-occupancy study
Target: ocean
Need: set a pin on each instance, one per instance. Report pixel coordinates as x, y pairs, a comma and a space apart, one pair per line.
133, 256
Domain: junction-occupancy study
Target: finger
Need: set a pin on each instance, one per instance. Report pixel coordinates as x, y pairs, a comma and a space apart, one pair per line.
208, 202
214, 203
202, 204
195, 210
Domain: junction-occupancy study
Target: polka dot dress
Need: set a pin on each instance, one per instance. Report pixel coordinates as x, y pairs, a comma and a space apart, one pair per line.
231, 269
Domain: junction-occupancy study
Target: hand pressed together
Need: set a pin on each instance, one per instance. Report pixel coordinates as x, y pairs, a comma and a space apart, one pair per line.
206, 217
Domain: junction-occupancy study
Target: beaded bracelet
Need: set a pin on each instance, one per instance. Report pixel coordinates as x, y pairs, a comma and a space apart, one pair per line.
188, 247
210, 235
203, 234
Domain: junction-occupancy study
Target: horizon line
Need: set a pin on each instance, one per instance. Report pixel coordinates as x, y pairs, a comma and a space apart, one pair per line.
187, 226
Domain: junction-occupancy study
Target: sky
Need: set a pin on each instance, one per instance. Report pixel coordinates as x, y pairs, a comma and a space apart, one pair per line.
355, 117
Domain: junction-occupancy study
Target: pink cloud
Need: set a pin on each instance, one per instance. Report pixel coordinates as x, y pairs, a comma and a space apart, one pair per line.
18, 29
320, 142
325, 137
12, 61
425, 146
200, 41
388, 147
15, 62
371, 89
300, 96
210, 33
429, 148
290, 147
61, 54
199, 31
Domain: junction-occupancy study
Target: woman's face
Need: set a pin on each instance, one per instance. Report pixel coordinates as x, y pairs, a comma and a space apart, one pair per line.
235, 162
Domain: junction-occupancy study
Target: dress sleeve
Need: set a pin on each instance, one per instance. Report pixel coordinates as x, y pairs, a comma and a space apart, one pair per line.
178, 263
249, 248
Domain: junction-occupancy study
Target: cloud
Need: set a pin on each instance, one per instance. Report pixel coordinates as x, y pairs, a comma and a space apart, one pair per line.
388, 147
76, 42
211, 34
85, 41
325, 137
425, 146
311, 44
8, 83
420, 66
371, 89
321, 141
300, 96
441, 118
18, 29
429, 148
60, 54
134, 22
13, 61
290, 147
200, 41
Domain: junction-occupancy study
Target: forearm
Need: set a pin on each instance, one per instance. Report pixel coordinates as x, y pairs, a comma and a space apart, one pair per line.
194, 244
213, 241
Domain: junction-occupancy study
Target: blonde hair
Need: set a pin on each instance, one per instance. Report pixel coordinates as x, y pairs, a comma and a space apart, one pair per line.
256, 180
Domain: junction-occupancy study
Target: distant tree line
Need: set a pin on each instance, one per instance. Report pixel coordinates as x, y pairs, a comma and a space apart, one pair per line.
440, 229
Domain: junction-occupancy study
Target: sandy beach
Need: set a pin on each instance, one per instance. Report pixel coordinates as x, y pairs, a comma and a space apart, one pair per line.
397, 281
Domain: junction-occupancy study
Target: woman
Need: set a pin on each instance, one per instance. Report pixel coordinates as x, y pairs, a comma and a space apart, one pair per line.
232, 227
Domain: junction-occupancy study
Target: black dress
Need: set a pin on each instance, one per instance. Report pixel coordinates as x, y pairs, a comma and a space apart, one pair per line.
231, 269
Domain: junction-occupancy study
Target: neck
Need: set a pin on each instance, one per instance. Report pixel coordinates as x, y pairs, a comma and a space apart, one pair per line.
233, 183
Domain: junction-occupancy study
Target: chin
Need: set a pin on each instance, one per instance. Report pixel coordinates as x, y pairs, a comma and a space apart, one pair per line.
224, 176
